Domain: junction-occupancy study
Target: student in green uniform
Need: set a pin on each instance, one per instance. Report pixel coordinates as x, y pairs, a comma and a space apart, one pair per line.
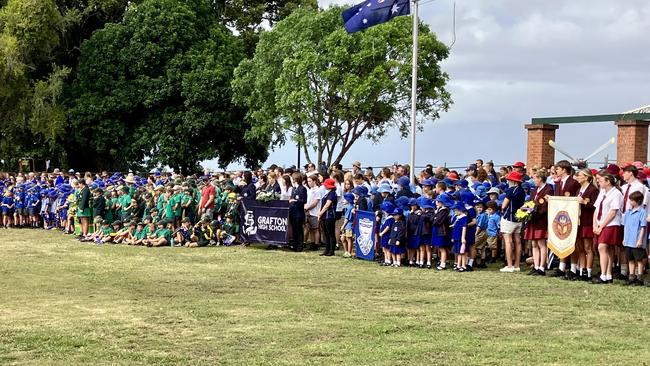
162, 236
137, 236
123, 202
177, 208
168, 213
187, 205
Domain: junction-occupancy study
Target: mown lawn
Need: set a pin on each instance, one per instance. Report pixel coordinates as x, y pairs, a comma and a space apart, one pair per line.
63, 302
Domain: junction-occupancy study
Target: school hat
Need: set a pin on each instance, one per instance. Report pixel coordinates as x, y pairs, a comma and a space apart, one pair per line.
413, 202
397, 211
525, 185
425, 202
402, 202
140, 223
428, 182
349, 197
519, 164
613, 169
387, 206
453, 176
515, 177
463, 183
459, 206
481, 191
467, 197
361, 191
641, 176
329, 183
448, 182
403, 181
445, 200
374, 190
384, 188
471, 167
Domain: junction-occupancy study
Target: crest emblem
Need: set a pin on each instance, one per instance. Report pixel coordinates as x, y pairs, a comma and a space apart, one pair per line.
562, 225
365, 236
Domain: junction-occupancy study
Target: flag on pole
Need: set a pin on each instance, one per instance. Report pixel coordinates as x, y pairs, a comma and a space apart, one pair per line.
373, 12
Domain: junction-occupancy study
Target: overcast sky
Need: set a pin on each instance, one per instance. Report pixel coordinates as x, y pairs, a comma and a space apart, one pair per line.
514, 60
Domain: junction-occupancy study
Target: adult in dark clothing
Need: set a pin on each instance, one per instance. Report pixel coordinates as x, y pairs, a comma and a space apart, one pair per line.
297, 202
99, 204
246, 187
328, 215
83, 207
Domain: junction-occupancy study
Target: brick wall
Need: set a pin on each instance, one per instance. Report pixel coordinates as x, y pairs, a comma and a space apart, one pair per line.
540, 154
632, 143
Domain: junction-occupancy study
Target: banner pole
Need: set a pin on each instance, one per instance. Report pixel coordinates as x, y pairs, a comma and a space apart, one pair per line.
414, 87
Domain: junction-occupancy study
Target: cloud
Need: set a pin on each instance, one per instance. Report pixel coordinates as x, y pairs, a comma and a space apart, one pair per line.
514, 60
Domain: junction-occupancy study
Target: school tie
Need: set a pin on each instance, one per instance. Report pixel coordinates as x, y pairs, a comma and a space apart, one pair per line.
561, 187
627, 192
600, 208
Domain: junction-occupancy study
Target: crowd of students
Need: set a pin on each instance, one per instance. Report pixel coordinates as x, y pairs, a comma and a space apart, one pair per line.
470, 215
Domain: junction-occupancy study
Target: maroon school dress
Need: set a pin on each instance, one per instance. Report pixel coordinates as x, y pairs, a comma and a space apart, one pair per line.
585, 228
537, 227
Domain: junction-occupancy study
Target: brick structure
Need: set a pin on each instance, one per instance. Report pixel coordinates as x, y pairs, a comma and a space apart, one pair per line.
540, 154
632, 144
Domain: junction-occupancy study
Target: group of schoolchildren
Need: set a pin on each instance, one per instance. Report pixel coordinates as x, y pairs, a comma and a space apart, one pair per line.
154, 211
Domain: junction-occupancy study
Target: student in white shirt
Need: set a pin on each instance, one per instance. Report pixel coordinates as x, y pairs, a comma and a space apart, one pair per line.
607, 223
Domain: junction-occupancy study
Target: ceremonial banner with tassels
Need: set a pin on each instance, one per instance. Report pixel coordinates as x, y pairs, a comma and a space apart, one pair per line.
563, 217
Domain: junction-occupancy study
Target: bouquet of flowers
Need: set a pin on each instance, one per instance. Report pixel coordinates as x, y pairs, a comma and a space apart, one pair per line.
267, 196
525, 213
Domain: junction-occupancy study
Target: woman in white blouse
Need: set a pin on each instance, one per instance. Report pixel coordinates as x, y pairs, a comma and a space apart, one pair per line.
607, 223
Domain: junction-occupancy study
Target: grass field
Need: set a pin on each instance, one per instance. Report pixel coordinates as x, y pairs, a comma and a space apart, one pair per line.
63, 302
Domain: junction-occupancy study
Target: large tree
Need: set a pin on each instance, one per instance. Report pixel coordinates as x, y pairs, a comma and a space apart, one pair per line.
327, 88
156, 88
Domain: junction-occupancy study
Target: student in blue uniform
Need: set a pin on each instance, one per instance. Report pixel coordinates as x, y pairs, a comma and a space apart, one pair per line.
413, 230
440, 230
468, 199
33, 206
459, 236
384, 232
8, 207
397, 241
346, 228
428, 213
19, 201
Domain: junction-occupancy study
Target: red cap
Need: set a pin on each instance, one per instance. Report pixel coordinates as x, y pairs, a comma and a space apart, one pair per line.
594, 171
453, 176
641, 175
329, 183
519, 164
515, 177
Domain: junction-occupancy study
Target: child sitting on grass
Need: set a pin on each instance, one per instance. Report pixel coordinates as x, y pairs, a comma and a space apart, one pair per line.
162, 236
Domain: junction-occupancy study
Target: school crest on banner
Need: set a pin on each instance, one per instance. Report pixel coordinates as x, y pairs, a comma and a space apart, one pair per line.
364, 230
563, 217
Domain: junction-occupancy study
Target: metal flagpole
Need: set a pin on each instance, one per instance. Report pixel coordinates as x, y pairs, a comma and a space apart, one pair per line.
414, 86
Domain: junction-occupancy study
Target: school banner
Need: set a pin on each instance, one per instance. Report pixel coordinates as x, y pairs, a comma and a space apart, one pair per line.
265, 222
364, 231
563, 217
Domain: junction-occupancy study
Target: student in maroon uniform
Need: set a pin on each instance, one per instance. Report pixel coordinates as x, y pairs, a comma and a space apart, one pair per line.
566, 186
584, 244
536, 231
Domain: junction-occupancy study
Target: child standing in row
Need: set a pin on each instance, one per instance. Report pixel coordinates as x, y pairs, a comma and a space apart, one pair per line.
397, 237
346, 228
387, 209
459, 236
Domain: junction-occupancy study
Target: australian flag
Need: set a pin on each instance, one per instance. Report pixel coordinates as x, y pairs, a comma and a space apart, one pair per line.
373, 12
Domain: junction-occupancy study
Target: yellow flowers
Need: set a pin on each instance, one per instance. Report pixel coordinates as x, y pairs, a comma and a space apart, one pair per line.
525, 213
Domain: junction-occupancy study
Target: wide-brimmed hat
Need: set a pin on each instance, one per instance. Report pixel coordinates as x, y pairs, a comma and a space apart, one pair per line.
129, 179
384, 188
361, 191
329, 183
494, 190
515, 177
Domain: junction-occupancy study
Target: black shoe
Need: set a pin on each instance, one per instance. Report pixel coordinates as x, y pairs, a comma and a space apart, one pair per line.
639, 282
439, 268
621, 277
481, 265
570, 276
541, 272
493, 260
628, 282
323, 254
428, 266
599, 281
468, 269
299, 248
271, 247
532, 272
557, 273
329, 254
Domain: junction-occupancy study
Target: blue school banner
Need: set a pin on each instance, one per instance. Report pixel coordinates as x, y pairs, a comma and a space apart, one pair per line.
364, 231
264, 222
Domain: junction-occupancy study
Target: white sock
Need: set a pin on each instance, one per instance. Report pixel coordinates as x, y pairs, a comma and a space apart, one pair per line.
574, 267
470, 262
562, 266
589, 272
624, 269
609, 277
603, 277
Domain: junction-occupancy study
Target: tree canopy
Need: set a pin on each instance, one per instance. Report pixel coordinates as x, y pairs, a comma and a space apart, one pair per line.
329, 88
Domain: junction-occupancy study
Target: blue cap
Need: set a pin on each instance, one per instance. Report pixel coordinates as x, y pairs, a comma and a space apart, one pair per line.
467, 197
445, 199
413, 202
463, 183
448, 182
460, 206
387, 206
361, 191
481, 191
402, 202
349, 197
428, 182
385, 188
487, 185
425, 202
397, 211
403, 181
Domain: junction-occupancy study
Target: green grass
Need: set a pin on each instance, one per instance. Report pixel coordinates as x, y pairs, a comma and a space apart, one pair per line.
63, 302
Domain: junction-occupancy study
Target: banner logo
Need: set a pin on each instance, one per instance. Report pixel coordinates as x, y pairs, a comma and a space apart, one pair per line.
562, 225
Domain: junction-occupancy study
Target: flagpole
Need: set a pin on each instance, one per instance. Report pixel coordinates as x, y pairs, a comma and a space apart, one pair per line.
414, 87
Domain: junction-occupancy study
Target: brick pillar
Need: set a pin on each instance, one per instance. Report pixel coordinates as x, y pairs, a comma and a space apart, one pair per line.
540, 154
632, 144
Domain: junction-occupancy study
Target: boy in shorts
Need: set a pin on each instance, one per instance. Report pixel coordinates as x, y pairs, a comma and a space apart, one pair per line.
494, 221
635, 238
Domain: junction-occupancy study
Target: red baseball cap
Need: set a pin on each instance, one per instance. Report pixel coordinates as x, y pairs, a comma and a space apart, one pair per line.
519, 164
329, 183
453, 176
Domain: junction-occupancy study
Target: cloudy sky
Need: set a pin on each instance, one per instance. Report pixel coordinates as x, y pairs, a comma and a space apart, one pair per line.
514, 60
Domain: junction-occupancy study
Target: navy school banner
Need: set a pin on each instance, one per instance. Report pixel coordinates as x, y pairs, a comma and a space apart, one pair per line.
265, 222
364, 231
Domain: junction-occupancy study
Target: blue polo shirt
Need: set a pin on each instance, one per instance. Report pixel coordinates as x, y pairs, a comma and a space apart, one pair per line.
633, 222
493, 224
517, 197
